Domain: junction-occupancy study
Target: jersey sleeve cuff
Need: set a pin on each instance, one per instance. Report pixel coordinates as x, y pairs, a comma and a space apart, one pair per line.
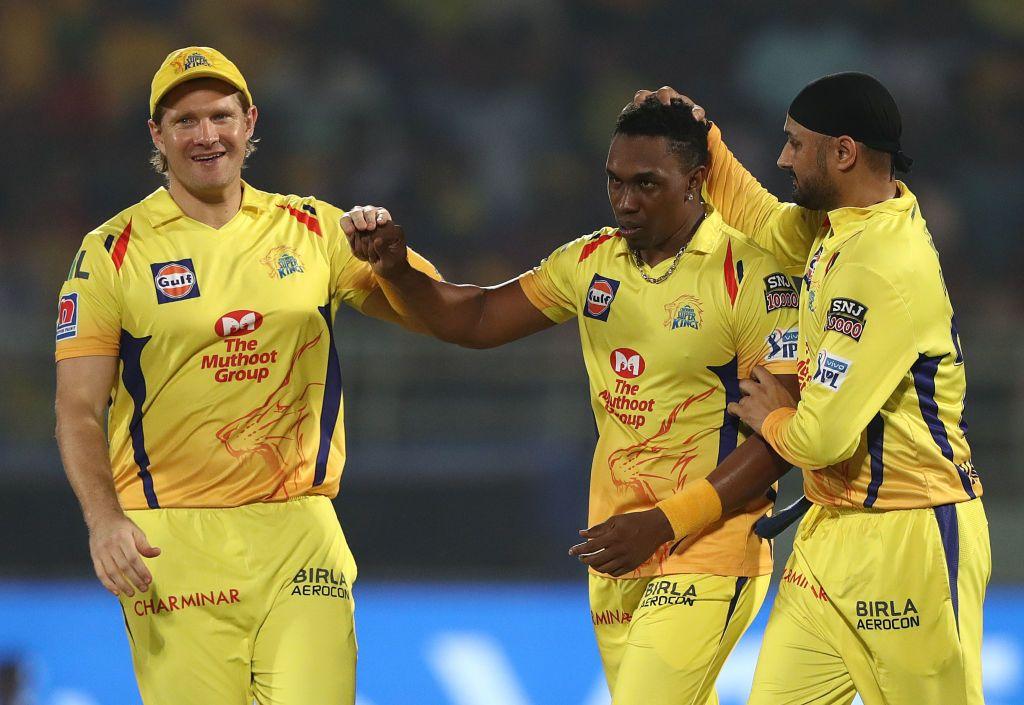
531, 288
773, 431
104, 351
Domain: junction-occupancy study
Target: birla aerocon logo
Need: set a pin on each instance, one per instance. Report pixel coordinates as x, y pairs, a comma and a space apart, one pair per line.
599, 297
175, 281
235, 323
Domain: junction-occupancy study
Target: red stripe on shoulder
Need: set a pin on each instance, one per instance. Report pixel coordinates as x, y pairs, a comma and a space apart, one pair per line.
831, 261
311, 223
590, 247
731, 285
121, 246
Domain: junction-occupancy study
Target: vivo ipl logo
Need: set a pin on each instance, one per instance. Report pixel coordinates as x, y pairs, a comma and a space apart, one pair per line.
235, 323
782, 344
599, 297
627, 363
831, 371
175, 281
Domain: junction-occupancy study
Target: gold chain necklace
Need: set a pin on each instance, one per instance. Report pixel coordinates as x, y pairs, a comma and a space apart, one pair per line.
638, 260
640, 264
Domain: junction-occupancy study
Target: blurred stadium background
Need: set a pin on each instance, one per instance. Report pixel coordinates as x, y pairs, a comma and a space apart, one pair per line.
483, 126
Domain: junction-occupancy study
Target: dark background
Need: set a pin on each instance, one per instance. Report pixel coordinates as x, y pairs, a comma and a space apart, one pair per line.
483, 127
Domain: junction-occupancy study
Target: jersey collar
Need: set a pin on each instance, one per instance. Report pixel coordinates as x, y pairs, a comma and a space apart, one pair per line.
161, 208
849, 221
709, 234
704, 241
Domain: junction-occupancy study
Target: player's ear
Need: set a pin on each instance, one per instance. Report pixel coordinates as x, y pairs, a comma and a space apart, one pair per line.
696, 180
250, 121
156, 136
845, 152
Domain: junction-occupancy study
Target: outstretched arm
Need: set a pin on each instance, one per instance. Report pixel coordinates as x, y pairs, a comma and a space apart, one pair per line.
468, 315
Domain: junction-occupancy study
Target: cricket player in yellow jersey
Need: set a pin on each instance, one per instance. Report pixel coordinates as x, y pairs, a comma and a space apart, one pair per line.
883, 593
204, 315
674, 308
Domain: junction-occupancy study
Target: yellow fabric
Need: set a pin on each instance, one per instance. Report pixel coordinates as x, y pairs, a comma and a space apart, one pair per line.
244, 604
190, 63
880, 419
230, 393
663, 640
878, 621
661, 361
692, 509
772, 423
784, 229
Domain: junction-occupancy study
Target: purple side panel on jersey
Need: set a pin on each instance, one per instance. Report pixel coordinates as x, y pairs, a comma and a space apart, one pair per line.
876, 440
949, 530
728, 435
135, 383
331, 403
924, 371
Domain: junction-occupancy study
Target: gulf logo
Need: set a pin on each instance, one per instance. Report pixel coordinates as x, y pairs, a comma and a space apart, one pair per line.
175, 281
600, 297
235, 323
627, 363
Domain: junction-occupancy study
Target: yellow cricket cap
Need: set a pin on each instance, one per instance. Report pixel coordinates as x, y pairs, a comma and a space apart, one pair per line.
194, 62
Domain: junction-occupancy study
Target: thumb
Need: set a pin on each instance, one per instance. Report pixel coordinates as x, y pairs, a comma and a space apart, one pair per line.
142, 545
759, 374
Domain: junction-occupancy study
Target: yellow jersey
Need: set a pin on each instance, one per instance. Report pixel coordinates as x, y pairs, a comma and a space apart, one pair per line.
663, 362
229, 385
880, 420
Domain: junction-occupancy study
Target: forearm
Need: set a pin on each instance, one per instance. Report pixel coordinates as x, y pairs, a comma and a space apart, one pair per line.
741, 478
744, 476
451, 312
85, 454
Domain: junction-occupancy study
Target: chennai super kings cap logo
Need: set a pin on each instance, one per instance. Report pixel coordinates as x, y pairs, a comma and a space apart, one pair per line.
685, 312
185, 63
282, 262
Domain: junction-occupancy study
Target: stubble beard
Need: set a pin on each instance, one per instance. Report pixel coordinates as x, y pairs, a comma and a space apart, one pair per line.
816, 193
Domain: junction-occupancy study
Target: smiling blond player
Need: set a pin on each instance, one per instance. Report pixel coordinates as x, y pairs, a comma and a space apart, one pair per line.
204, 315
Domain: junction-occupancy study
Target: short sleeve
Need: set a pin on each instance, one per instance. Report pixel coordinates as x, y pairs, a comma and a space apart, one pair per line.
90, 305
551, 285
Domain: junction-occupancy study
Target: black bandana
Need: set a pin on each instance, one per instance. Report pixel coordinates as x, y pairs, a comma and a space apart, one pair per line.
856, 105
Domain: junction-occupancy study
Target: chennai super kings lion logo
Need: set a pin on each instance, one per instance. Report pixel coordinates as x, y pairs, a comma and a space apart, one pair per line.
684, 312
183, 62
656, 463
281, 262
276, 430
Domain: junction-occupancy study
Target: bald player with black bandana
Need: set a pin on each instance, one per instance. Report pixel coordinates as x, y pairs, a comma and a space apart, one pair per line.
883, 593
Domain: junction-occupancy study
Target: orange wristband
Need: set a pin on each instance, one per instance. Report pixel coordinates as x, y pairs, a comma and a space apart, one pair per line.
692, 509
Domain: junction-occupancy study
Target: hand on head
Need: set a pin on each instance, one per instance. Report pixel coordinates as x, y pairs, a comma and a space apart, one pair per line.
666, 95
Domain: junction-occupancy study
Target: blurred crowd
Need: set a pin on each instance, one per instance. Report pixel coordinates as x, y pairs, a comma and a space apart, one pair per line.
484, 125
